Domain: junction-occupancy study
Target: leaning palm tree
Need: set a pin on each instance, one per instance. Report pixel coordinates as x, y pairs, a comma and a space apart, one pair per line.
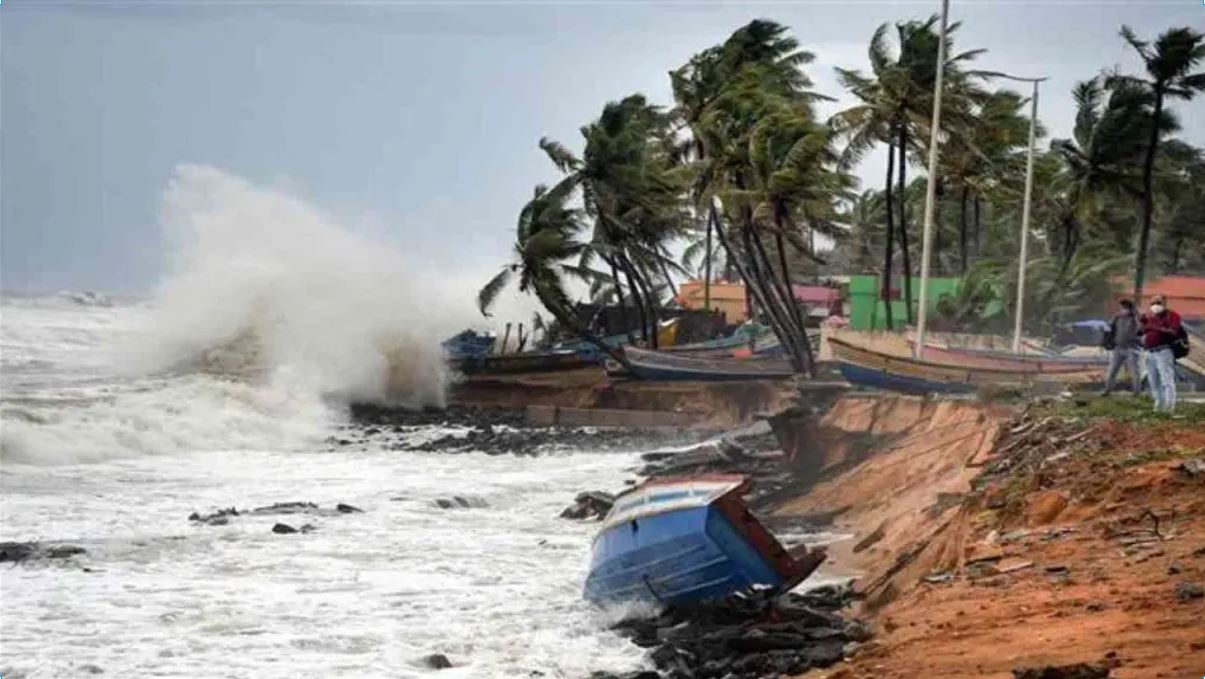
1169, 63
632, 191
545, 244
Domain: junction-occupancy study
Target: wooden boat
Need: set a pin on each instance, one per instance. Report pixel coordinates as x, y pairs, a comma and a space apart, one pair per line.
688, 539
987, 358
659, 365
864, 367
519, 363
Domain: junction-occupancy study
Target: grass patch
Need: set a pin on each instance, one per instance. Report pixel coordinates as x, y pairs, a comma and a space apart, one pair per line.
1138, 410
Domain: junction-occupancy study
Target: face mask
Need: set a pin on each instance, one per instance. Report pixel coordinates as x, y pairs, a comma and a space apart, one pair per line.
1156, 308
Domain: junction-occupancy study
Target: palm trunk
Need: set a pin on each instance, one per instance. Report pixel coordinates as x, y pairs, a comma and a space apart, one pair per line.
776, 309
809, 364
650, 300
903, 201
732, 261
978, 226
707, 266
1148, 198
623, 304
890, 239
962, 230
637, 302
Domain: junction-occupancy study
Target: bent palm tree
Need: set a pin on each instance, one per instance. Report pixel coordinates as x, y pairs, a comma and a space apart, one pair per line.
545, 240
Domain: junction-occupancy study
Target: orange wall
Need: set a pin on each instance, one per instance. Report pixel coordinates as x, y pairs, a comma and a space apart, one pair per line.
728, 298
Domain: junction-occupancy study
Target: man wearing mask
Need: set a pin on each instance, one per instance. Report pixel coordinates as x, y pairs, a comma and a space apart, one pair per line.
1160, 328
1122, 339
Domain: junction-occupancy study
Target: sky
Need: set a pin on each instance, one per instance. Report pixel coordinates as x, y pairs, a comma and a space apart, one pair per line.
415, 122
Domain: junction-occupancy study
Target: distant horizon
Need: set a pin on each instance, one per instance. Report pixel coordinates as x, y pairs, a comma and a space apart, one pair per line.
415, 124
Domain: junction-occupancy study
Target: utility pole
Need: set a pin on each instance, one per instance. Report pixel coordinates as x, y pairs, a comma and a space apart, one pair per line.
931, 188
1033, 126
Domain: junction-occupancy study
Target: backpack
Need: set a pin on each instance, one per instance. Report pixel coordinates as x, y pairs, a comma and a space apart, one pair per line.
1180, 344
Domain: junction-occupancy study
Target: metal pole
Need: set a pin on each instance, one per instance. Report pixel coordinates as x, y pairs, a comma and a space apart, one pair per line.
1033, 124
931, 189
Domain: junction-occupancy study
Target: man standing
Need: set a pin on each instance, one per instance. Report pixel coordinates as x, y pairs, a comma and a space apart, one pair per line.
1122, 340
1160, 328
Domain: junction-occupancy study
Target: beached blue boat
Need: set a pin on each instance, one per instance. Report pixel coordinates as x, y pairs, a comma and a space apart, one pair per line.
688, 539
468, 344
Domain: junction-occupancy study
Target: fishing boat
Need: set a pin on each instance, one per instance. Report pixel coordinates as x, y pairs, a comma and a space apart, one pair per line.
987, 358
468, 344
542, 361
689, 539
867, 368
660, 365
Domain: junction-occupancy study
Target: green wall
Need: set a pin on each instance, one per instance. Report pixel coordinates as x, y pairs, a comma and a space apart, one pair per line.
868, 312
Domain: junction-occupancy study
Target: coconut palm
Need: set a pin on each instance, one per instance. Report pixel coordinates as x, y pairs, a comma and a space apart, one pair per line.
545, 242
1169, 64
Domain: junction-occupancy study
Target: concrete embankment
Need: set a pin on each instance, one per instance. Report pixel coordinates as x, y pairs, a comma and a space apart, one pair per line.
992, 541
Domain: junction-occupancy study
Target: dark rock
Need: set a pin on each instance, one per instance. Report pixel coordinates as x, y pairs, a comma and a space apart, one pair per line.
89, 668
283, 529
17, 552
1076, 671
1187, 591
285, 508
348, 509
437, 661
589, 505
824, 653
219, 517
1174, 568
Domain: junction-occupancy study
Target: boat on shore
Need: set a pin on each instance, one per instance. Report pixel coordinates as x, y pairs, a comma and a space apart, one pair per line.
689, 539
868, 368
989, 358
660, 365
544, 361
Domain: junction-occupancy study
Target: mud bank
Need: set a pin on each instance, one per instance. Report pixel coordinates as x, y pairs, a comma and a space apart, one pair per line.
995, 541
710, 404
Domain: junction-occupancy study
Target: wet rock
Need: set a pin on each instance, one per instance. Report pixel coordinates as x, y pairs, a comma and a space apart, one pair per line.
437, 661
746, 636
17, 552
348, 509
461, 502
1187, 591
220, 517
283, 529
589, 505
1076, 671
89, 668
285, 508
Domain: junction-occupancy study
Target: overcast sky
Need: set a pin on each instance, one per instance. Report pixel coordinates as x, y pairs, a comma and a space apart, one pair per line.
418, 121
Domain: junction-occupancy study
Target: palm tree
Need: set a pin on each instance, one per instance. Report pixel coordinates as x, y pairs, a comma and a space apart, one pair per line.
1100, 160
632, 189
723, 93
1169, 63
545, 239
896, 107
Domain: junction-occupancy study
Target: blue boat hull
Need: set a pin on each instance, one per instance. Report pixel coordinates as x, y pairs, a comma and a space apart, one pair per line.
676, 557
881, 379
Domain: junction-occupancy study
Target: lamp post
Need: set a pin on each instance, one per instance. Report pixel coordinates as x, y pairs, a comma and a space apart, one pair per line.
1033, 126
931, 188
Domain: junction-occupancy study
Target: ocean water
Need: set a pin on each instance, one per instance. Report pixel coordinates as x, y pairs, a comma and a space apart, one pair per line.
100, 451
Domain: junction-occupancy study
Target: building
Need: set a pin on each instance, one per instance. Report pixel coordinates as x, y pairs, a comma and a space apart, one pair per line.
1184, 294
726, 297
867, 309
729, 298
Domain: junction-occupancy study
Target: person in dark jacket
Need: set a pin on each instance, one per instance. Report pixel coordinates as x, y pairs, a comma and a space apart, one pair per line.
1160, 328
1123, 341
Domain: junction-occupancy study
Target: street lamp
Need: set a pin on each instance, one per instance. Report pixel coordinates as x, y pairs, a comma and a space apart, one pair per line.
1033, 126
931, 188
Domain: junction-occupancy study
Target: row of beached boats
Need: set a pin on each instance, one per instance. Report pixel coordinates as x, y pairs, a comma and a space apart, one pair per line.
750, 355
